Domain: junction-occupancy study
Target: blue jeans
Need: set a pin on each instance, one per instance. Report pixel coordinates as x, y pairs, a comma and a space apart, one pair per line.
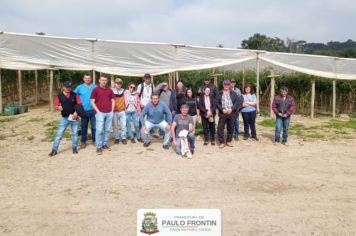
132, 115
103, 124
149, 126
84, 126
282, 122
63, 124
191, 141
119, 117
249, 122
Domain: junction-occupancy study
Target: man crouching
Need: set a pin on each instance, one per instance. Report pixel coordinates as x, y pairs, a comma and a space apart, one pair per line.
157, 114
182, 132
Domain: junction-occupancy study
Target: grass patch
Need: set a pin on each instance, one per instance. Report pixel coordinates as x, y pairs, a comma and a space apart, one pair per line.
267, 123
338, 124
7, 119
30, 138
199, 129
38, 119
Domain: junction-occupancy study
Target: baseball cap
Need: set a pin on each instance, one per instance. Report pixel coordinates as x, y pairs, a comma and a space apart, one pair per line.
227, 82
67, 84
232, 80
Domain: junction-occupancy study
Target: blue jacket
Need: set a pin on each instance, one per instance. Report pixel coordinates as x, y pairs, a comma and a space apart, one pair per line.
157, 114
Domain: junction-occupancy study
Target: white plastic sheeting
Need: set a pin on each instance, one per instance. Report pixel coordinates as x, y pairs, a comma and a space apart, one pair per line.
32, 52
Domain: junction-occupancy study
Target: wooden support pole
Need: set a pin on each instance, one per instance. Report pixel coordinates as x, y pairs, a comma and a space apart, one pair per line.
36, 87
334, 99
19, 81
271, 113
51, 103
112, 81
1, 111
243, 78
258, 84
94, 77
312, 102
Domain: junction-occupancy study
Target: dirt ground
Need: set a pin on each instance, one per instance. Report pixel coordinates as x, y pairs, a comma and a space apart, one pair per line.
306, 188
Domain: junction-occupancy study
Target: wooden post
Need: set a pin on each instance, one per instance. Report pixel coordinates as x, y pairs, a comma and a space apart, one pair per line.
51, 103
312, 98
19, 80
334, 99
1, 111
36, 87
258, 84
94, 77
271, 113
243, 78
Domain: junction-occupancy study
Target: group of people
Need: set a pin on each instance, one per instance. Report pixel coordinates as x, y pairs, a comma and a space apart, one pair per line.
174, 113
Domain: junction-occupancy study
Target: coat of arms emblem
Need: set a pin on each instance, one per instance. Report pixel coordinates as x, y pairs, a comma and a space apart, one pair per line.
149, 223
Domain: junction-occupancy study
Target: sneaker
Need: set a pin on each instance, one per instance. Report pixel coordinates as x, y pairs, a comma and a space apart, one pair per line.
140, 140
222, 145
124, 141
285, 143
117, 141
165, 147
146, 144
229, 144
245, 138
75, 151
52, 153
212, 143
83, 145
106, 147
236, 138
99, 151
206, 143
255, 139
133, 140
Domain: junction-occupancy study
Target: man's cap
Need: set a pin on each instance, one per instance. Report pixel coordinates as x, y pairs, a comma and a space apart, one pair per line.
232, 80
67, 84
147, 76
226, 82
207, 78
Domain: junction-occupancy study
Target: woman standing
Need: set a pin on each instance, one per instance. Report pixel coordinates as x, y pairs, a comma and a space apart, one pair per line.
207, 107
133, 110
191, 101
249, 113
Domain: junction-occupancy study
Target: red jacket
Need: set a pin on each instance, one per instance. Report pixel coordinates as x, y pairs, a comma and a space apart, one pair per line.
289, 105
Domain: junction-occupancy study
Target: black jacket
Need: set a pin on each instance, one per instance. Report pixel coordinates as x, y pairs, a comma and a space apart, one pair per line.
201, 103
236, 102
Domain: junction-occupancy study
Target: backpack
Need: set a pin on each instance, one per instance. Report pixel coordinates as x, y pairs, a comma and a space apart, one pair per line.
142, 86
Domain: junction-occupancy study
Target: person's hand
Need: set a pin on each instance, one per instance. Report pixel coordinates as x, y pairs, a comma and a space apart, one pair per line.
224, 111
75, 116
60, 108
175, 143
208, 114
280, 114
168, 128
143, 129
229, 111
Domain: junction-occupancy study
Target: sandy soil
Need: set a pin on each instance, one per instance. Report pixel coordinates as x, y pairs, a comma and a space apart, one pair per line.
307, 188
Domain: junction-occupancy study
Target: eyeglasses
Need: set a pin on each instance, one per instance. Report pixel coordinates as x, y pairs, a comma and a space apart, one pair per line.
132, 87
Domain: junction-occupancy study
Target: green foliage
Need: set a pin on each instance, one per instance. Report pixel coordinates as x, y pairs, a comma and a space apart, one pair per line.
338, 124
263, 42
267, 123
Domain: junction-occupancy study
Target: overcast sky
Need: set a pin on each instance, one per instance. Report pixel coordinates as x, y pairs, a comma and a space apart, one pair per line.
206, 23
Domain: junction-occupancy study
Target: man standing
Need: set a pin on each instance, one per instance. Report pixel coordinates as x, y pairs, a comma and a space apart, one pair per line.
167, 96
237, 113
65, 103
183, 121
283, 106
145, 90
207, 84
84, 90
119, 112
227, 104
157, 113
103, 102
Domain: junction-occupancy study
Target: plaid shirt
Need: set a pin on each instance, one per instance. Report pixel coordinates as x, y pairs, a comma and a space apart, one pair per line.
226, 101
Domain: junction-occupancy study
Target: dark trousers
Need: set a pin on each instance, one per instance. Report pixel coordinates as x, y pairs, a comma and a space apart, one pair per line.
209, 129
228, 121
90, 117
249, 123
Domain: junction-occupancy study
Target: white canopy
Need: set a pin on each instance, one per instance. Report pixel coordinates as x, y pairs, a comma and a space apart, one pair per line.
33, 52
